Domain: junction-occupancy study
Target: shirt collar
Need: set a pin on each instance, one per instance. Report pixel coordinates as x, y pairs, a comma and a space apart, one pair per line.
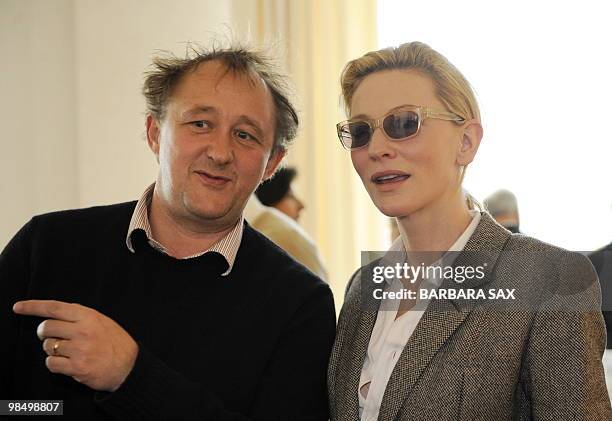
451, 254
226, 247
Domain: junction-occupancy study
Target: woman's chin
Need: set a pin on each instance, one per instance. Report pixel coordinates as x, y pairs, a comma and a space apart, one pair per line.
394, 210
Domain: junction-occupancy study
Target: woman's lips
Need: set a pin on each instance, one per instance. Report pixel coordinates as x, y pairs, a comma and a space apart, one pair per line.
389, 180
389, 177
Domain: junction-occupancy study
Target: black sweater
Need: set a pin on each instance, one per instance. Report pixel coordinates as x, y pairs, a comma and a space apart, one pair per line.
250, 345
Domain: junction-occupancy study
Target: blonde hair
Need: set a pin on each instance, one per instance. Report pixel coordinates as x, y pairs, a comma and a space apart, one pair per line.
452, 88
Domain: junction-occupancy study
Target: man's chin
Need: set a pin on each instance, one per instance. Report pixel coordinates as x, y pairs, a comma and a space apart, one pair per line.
212, 214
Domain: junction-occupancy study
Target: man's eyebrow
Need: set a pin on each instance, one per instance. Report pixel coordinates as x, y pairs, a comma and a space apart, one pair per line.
197, 110
243, 119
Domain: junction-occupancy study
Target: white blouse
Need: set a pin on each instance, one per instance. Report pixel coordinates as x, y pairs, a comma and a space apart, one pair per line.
390, 335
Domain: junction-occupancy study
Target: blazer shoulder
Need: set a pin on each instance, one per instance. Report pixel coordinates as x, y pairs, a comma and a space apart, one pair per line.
563, 270
530, 245
354, 286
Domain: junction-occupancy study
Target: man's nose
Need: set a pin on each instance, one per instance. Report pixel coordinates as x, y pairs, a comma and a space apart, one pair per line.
220, 149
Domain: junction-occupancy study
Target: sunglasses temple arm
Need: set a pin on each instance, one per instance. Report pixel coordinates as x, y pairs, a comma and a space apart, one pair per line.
444, 116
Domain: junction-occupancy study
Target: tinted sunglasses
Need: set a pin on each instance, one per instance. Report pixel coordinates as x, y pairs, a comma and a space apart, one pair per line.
400, 123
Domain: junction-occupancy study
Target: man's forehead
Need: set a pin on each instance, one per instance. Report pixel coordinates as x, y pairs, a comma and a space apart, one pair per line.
219, 72
200, 85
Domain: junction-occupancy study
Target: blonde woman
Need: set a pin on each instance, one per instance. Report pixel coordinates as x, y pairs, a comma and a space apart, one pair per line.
530, 350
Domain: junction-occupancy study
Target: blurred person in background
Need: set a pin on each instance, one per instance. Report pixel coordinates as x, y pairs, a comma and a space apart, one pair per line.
274, 210
414, 126
286, 233
602, 261
277, 192
503, 207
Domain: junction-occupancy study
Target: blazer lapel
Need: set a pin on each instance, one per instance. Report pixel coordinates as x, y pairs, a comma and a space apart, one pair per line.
359, 349
442, 317
360, 302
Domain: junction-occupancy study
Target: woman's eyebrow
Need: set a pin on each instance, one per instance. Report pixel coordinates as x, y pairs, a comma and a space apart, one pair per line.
367, 117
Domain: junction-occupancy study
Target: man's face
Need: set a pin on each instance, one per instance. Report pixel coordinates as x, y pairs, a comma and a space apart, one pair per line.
213, 146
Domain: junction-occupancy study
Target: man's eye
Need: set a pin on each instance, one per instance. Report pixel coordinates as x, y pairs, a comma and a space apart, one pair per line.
200, 124
245, 135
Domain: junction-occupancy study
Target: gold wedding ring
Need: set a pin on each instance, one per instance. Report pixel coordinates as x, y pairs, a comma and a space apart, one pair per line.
56, 347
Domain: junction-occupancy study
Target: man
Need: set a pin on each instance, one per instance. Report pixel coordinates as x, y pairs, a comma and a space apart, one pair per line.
173, 306
503, 207
285, 233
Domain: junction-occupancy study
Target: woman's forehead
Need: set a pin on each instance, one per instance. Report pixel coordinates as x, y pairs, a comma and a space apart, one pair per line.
381, 91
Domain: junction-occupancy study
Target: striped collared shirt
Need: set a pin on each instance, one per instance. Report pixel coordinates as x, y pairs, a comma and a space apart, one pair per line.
227, 246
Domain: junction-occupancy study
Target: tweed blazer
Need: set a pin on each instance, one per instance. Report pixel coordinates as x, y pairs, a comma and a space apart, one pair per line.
539, 357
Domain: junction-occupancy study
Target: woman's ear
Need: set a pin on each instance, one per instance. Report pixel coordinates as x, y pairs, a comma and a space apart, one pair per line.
471, 136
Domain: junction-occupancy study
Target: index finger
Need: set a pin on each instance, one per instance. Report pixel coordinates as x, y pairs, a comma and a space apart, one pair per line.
58, 310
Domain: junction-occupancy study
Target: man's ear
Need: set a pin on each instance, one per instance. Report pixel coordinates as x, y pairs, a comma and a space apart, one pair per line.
273, 162
153, 134
470, 141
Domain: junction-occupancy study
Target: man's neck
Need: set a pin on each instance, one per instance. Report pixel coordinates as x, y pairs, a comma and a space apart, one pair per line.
182, 238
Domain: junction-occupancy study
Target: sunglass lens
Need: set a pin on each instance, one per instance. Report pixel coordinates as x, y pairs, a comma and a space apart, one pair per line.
355, 135
401, 125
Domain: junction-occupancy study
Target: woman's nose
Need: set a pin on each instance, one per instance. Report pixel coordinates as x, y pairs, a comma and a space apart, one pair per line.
380, 146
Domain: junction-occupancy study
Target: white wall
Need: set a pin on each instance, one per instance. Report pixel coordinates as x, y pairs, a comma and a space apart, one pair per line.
541, 71
38, 167
72, 114
114, 42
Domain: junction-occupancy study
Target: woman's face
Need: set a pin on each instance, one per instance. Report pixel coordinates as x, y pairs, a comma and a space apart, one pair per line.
427, 164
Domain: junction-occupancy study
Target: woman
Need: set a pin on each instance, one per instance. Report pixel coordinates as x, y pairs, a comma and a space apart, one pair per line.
414, 127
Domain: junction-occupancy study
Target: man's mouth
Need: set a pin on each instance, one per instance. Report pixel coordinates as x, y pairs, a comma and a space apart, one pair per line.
212, 179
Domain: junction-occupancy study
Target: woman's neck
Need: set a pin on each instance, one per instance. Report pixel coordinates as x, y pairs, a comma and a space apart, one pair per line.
435, 227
